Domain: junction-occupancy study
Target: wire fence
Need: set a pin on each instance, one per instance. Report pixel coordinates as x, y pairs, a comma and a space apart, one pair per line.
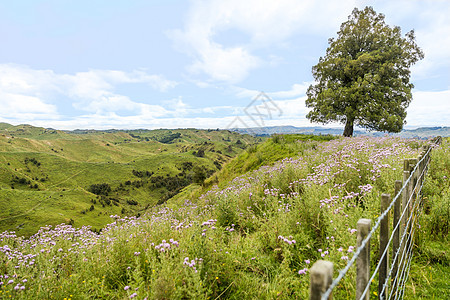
407, 210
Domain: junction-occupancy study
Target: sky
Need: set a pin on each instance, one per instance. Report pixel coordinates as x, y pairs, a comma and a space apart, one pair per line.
128, 64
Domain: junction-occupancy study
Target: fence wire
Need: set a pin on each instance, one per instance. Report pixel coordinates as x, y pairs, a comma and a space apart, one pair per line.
407, 253
358, 251
409, 224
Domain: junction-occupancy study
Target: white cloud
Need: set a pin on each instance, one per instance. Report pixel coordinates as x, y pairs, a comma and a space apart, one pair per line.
225, 64
435, 42
265, 22
28, 108
429, 109
297, 89
431, 21
294, 108
28, 91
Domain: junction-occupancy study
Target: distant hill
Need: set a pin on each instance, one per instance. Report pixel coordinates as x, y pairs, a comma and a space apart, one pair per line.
424, 132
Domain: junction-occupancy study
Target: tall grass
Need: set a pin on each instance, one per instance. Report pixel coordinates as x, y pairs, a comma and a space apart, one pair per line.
254, 238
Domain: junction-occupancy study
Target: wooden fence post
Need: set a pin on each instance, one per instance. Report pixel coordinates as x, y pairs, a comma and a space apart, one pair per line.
420, 169
414, 198
396, 238
363, 260
405, 195
321, 276
384, 239
405, 211
414, 175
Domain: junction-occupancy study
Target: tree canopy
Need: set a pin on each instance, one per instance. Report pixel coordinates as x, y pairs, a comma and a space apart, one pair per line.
364, 77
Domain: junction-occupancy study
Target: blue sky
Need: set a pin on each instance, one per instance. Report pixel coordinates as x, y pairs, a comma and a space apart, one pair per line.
176, 64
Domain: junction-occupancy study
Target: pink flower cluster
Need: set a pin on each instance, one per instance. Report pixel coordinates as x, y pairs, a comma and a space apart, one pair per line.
286, 240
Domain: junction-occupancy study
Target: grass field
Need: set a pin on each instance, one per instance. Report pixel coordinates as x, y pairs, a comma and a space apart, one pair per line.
253, 232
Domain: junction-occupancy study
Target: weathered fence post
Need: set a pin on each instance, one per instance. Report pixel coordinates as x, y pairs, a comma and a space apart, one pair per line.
396, 238
363, 260
321, 276
405, 211
405, 195
414, 175
384, 239
420, 175
414, 198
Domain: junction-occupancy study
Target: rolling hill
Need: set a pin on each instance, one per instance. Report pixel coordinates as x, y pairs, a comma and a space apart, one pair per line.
82, 177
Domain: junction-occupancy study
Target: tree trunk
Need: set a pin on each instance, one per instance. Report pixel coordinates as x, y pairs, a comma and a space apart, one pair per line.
348, 130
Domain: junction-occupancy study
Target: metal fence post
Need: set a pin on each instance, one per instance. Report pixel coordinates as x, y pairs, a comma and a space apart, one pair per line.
384, 239
321, 276
363, 260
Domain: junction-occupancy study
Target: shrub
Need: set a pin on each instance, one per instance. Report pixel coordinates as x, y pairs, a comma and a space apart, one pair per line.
100, 189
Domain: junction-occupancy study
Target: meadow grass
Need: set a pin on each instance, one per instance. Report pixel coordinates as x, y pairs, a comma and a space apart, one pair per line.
253, 238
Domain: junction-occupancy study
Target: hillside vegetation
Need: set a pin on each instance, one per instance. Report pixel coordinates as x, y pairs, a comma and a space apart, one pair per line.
81, 177
254, 237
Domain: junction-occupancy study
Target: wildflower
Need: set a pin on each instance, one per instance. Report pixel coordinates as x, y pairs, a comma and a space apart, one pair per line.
133, 295
302, 271
126, 287
307, 261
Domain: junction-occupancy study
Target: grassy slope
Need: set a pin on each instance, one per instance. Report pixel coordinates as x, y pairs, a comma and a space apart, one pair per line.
276, 148
70, 163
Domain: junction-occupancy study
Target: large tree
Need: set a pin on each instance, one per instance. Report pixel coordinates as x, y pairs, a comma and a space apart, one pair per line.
364, 77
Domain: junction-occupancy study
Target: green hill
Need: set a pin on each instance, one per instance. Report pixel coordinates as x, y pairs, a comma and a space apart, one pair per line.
50, 176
